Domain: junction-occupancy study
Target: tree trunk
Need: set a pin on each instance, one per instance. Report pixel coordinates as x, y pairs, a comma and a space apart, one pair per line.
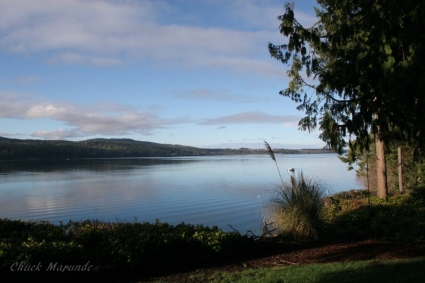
400, 171
381, 171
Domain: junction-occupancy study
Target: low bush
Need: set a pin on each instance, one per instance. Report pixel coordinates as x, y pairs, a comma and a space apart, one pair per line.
122, 244
399, 218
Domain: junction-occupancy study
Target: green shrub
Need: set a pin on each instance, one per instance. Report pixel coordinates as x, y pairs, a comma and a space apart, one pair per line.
399, 218
120, 244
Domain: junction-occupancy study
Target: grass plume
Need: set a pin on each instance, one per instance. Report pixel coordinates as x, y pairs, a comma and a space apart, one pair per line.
271, 153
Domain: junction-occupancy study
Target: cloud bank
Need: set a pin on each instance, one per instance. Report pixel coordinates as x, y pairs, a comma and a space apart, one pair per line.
103, 33
219, 95
252, 117
103, 118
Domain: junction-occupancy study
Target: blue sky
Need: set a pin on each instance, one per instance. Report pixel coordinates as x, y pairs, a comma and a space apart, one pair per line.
184, 72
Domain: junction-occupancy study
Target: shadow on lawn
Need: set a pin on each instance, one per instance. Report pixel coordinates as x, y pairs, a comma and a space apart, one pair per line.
377, 272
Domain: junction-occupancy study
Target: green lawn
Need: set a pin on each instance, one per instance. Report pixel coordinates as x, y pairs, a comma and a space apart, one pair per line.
386, 271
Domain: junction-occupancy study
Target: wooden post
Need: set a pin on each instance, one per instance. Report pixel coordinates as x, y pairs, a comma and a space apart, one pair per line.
400, 171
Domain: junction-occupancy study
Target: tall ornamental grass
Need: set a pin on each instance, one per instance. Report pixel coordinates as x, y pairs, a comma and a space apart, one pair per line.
296, 208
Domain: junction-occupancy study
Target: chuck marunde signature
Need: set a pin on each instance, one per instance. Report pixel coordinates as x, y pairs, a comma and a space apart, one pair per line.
53, 266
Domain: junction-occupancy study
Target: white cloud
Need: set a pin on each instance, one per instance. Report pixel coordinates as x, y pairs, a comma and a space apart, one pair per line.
13, 136
27, 80
59, 134
259, 14
71, 58
103, 118
219, 95
44, 110
252, 117
104, 33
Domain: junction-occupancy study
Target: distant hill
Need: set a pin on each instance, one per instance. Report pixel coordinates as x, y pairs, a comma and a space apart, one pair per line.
13, 149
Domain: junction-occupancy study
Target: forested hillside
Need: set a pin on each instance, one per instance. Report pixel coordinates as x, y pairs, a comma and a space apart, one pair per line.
113, 148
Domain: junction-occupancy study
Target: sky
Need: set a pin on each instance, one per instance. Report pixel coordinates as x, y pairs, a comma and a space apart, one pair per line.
189, 72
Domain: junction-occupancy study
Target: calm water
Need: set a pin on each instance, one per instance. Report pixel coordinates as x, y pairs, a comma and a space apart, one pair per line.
217, 190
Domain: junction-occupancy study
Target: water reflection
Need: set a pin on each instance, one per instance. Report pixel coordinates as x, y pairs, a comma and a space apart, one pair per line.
209, 190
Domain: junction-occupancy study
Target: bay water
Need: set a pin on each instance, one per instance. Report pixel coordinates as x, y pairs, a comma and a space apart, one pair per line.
208, 190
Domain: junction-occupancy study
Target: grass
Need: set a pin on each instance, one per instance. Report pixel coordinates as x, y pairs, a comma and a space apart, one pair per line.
385, 271
296, 208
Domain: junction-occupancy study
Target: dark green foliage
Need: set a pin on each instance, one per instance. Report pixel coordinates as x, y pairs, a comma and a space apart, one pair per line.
95, 148
113, 148
399, 218
151, 247
367, 61
413, 166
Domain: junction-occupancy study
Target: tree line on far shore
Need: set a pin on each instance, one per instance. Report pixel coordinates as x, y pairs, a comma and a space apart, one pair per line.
12, 149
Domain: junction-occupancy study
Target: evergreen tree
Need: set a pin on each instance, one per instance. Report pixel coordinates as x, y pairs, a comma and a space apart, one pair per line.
366, 57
